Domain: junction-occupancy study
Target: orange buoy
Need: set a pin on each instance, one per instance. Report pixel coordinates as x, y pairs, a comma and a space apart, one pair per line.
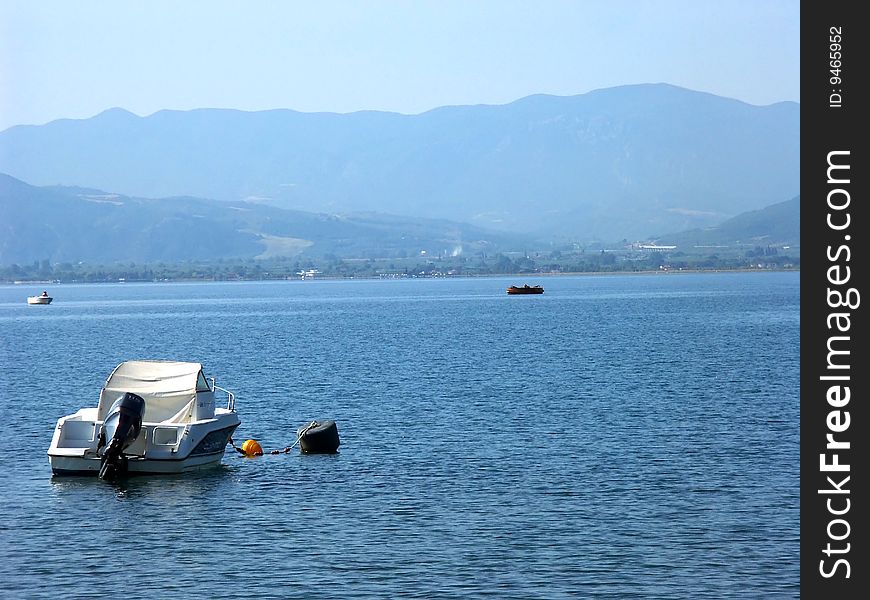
252, 448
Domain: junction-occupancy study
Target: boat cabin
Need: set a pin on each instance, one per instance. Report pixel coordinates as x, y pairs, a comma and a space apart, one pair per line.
174, 392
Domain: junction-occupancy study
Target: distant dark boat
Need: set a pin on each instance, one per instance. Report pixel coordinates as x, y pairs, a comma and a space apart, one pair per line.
526, 289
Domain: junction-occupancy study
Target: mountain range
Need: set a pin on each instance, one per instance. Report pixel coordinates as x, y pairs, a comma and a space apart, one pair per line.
775, 225
72, 224
628, 162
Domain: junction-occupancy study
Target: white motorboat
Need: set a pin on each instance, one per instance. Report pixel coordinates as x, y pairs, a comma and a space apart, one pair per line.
43, 298
152, 417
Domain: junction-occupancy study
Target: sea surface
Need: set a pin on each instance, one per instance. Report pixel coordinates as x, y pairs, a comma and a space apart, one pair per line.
619, 436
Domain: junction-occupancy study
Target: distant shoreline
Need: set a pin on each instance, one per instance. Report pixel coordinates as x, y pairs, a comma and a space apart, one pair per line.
523, 276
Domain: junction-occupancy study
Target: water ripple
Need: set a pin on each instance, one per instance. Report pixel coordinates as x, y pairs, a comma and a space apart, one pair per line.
617, 437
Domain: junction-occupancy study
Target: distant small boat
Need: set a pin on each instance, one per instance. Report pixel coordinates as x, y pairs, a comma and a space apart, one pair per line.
526, 289
43, 298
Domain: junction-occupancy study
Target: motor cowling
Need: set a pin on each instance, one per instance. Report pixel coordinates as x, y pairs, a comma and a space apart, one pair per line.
120, 428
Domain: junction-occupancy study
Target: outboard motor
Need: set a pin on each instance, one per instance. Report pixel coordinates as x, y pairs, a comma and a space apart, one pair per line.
121, 428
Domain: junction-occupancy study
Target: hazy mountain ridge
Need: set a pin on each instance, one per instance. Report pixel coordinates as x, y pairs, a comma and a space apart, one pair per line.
81, 224
775, 225
627, 162
71, 224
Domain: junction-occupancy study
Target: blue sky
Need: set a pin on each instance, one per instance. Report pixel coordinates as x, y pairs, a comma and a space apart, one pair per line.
61, 59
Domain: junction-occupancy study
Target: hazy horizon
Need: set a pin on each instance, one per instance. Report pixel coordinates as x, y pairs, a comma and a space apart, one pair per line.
59, 60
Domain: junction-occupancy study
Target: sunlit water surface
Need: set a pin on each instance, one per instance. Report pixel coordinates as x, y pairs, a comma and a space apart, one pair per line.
615, 437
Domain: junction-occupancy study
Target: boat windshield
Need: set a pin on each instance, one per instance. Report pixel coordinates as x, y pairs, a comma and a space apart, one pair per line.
202, 384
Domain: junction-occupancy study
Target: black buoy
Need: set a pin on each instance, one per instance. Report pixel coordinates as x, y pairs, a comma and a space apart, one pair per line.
318, 437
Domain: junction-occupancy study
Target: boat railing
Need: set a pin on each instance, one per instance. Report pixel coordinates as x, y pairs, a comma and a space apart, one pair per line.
231, 397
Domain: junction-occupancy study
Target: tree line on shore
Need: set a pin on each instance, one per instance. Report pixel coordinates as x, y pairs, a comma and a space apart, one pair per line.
457, 266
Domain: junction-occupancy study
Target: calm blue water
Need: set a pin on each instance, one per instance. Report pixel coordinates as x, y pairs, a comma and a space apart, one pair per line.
616, 437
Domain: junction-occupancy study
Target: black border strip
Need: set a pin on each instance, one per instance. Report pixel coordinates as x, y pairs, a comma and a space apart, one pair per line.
833, 543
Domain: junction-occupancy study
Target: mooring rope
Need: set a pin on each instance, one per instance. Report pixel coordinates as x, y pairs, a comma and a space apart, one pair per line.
301, 433
236, 448
305, 429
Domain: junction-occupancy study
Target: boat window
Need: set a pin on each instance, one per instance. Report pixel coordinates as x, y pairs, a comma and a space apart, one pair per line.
165, 436
202, 384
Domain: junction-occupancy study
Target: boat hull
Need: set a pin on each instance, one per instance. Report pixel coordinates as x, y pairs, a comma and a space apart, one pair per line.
161, 448
525, 290
90, 465
39, 300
